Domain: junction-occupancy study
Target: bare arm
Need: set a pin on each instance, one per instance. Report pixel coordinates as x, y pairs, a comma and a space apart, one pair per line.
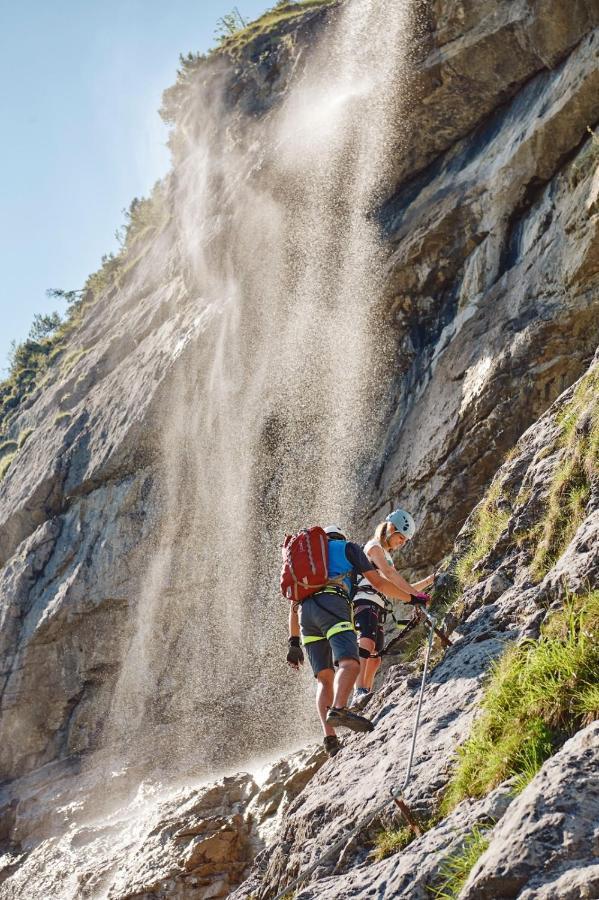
386, 587
425, 583
294, 629
391, 574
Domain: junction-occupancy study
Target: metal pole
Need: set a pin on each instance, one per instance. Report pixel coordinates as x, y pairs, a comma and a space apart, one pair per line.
419, 707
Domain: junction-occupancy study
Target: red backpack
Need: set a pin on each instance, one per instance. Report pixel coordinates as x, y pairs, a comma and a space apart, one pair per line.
305, 563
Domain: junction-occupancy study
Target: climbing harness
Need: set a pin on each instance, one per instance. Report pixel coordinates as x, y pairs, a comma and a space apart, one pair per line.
337, 627
397, 796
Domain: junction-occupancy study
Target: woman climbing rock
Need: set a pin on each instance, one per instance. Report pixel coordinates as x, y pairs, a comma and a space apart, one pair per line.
371, 605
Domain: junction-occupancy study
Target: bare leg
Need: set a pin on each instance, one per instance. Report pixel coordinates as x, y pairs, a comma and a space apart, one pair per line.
324, 697
372, 667
362, 681
348, 671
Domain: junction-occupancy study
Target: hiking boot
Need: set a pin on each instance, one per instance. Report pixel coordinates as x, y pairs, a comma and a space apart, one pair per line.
361, 697
332, 745
345, 719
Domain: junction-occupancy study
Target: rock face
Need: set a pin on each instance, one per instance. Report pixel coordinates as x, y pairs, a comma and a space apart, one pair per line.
545, 844
492, 279
128, 839
186, 843
489, 311
549, 822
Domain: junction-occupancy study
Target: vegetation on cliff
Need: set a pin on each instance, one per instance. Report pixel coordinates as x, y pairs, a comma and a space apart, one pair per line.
454, 871
576, 452
490, 519
236, 33
392, 840
51, 345
233, 36
570, 487
537, 696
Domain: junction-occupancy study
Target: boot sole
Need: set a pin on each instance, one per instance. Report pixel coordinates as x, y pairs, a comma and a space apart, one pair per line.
354, 723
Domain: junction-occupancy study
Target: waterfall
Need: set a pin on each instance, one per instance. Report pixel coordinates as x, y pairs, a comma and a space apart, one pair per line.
272, 412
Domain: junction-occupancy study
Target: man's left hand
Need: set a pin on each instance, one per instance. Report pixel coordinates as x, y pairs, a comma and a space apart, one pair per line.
295, 656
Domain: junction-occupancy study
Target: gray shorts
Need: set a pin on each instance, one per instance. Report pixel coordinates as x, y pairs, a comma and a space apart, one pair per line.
328, 633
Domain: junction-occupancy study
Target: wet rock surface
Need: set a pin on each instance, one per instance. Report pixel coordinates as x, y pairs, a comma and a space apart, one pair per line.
128, 837
154, 842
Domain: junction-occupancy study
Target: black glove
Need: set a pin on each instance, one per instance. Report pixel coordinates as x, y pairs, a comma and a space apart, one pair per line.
295, 656
419, 599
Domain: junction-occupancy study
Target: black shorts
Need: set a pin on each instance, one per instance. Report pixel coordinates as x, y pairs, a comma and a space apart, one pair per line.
369, 619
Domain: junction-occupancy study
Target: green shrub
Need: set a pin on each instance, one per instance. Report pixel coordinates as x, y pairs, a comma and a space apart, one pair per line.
51, 336
235, 34
145, 215
229, 24
174, 97
27, 364
455, 870
538, 694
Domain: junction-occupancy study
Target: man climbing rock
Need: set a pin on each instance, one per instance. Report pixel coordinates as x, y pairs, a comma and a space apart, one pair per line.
324, 621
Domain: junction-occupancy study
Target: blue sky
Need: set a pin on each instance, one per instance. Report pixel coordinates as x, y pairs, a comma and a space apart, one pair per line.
80, 88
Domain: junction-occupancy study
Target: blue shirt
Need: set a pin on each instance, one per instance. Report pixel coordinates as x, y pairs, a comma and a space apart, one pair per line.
347, 558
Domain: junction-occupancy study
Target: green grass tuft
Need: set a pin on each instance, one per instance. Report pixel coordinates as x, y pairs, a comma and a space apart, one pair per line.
570, 487
62, 418
588, 703
24, 436
391, 840
5, 463
568, 496
455, 870
490, 520
538, 694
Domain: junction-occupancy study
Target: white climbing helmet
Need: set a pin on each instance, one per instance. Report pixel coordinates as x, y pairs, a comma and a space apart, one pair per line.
403, 522
335, 533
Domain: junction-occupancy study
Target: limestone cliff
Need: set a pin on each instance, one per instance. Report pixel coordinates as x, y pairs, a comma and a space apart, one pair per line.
158, 455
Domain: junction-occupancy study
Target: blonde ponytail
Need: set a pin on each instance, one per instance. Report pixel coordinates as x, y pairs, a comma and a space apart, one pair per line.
381, 534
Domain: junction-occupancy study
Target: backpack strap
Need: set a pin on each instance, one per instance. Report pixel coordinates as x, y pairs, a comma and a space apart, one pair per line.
339, 579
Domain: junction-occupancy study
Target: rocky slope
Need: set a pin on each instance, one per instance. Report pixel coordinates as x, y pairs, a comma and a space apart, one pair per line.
542, 843
142, 839
490, 221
